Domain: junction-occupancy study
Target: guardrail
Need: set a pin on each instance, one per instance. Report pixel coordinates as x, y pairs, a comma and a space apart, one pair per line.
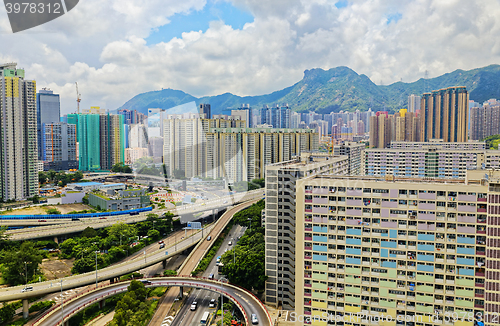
170, 281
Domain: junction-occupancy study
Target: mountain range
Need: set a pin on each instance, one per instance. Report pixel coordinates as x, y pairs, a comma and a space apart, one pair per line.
336, 89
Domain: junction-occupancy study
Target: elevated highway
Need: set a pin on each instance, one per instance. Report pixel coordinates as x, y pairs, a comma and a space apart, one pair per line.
117, 270
245, 300
67, 227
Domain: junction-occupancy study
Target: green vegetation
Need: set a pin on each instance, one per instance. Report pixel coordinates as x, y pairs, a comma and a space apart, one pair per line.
249, 253
335, 89
14, 270
243, 186
87, 314
133, 309
53, 211
59, 178
228, 317
121, 168
7, 312
169, 272
115, 239
42, 305
130, 276
492, 141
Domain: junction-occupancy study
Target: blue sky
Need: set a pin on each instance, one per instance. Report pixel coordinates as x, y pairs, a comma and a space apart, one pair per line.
199, 20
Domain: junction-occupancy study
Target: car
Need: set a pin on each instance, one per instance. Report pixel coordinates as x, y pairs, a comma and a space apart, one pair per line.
209, 238
212, 303
103, 218
162, 246
146, 282
42, 221
225, 201
160, 242
230, 243
75, 219
211, 276
27, 289
255, 321
194, 305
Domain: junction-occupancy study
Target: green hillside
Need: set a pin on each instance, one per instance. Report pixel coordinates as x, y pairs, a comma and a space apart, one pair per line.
335, 89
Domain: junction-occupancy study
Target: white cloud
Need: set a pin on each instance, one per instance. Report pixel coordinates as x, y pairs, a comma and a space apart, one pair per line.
101, 44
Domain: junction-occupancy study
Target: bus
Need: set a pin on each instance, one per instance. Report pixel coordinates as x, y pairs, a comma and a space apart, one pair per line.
204, 318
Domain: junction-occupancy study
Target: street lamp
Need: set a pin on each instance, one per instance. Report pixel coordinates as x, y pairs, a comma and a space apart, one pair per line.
62, 305
250, 222
96, 268
26, 272
234, 252
222, 299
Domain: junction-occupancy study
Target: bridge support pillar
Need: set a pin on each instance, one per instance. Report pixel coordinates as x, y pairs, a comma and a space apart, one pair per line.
26, 310
102, 303
56, 240
164, 263
181, 294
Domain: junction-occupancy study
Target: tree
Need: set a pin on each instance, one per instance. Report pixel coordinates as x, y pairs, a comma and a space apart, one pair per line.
7, 312
120, 167
42, 177
154, 234
169, 272
89, 232
87, 262
15, 271
249, 269
121, 229
3, 234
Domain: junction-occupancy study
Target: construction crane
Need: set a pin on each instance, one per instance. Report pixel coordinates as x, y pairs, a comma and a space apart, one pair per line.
78, 99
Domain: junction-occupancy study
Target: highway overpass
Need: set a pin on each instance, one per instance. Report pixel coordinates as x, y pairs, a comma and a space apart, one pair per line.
115, 271
247, 302
45, 231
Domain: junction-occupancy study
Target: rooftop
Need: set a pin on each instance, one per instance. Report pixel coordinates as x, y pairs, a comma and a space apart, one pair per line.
83, 184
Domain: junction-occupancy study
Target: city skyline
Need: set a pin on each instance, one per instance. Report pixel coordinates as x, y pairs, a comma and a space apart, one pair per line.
387, 41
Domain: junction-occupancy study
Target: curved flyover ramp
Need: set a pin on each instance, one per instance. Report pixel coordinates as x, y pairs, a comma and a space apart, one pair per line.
245, 300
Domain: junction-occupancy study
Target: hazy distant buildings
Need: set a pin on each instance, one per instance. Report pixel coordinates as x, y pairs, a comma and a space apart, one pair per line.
224, 148
112, 140
18, 134
132, 116
206, 110
444, 115
59, 146
401, 126
48, 110
413, 103
485, 120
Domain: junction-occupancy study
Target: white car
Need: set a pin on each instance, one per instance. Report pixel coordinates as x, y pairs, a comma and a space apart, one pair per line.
255, 321
194, 305
230, 243
26, 289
